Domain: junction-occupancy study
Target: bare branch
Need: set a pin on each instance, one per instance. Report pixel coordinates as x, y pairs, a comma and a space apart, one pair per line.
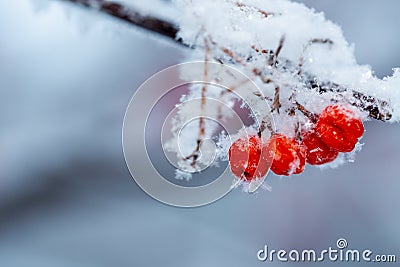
131, 16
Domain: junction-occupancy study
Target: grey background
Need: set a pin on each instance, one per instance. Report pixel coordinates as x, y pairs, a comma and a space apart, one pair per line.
67, 199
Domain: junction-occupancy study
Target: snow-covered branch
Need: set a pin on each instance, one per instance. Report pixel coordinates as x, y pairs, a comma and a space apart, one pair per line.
311, 95
376, 107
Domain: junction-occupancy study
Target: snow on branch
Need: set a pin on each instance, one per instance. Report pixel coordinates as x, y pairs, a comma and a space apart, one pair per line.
242, 31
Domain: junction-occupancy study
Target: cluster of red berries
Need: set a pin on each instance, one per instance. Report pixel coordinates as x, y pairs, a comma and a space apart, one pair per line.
336, 130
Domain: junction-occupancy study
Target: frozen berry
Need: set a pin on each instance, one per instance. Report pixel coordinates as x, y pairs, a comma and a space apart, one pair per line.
339, 128
318, 152
289, 157
249, 159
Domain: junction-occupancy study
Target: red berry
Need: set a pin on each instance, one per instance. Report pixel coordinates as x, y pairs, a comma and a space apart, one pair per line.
318, 152
249, 159
289, 157
339, 128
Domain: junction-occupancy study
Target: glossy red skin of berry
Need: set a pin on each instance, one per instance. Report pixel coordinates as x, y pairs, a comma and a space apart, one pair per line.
249, 158
339, 128
289, 157
318, 152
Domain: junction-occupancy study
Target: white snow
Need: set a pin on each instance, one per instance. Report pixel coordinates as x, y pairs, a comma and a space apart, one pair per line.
240, 28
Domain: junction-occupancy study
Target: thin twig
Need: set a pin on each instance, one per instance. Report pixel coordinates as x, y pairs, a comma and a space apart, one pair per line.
196, 153
265, 124
262, 12
279, 49
313, 118
276, 104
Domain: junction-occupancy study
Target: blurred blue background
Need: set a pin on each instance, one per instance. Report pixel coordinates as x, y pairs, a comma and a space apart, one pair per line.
66, 196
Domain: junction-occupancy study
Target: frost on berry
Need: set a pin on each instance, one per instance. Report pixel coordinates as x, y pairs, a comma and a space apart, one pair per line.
249, 158
289, 156
318, 152
339, 128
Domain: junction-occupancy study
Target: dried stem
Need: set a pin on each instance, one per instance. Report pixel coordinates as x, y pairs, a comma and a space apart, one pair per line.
196, 153
278, 49
276, 104
265, 124
313, 118
271, 55
262, 12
